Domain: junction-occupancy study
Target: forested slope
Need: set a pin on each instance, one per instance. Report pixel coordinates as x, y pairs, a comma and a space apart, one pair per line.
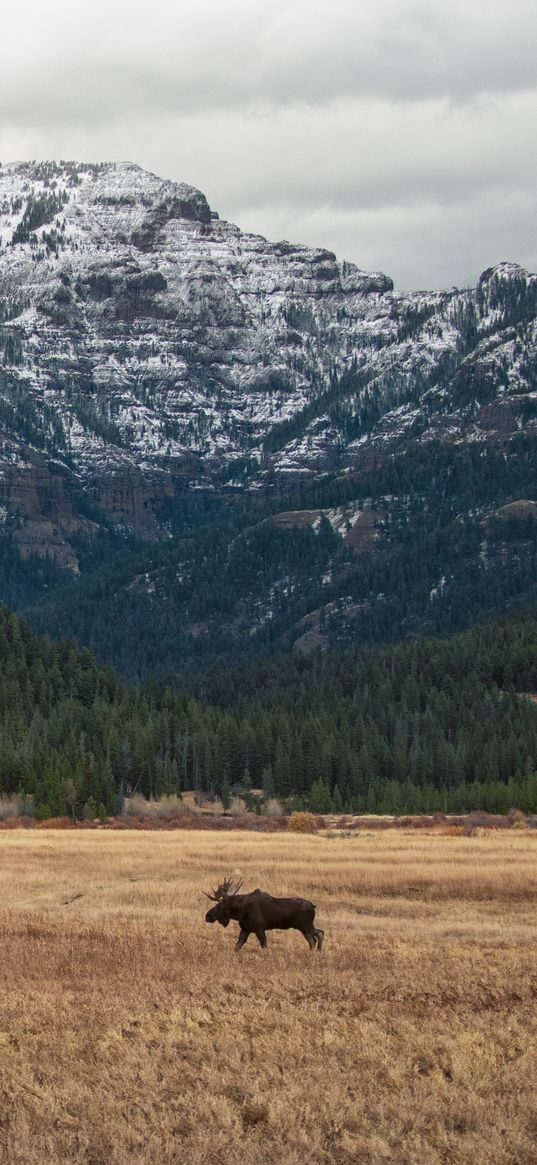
426, 725
431, 542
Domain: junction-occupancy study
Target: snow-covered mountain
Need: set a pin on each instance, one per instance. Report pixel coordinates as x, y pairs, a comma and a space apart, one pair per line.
147, 347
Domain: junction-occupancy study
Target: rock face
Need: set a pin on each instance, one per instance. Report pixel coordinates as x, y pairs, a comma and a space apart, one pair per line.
146, 345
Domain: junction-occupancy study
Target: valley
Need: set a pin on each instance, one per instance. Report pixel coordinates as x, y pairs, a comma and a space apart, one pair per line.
131, 1030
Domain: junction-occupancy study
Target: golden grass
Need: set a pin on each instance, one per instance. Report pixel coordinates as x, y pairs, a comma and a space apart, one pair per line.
131, 1032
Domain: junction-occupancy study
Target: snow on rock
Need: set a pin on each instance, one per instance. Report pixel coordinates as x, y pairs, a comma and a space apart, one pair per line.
154, 340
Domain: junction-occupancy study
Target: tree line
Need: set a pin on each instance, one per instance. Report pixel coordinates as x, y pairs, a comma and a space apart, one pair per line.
423, 726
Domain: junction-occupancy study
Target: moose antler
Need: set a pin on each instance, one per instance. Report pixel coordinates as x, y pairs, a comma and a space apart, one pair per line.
226, 889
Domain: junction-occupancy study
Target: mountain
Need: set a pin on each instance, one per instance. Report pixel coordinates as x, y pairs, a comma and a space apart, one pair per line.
215, 444
148, 346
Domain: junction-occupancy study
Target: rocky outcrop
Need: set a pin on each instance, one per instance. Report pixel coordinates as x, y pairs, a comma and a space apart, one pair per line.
358, 526
131, 499
38, 506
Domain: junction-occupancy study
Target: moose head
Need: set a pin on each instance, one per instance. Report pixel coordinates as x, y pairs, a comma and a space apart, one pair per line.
222, 911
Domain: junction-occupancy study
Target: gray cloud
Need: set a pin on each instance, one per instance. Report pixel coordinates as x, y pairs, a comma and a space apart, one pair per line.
399, 134
222, 54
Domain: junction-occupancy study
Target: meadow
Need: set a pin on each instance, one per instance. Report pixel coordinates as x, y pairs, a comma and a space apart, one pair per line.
130, 1031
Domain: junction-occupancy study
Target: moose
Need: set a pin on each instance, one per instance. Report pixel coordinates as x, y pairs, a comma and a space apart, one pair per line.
258, 912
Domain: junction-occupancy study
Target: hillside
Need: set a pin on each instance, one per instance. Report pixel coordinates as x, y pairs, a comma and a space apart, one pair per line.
420, 727
214, 444
429, 543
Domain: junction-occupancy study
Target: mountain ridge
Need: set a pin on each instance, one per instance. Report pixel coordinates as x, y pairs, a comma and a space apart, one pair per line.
162, 371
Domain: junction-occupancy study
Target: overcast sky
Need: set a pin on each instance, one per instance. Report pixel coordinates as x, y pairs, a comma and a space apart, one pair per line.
398, 133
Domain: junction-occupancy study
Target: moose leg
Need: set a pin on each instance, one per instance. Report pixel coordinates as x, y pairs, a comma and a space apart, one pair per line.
243, 937
262, 938
310, 938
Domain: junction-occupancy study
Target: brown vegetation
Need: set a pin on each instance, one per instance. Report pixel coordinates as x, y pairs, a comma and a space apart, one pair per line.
303, 823
131, 1032
175, 813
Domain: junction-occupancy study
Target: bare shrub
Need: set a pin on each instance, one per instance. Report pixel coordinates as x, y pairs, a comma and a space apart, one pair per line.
274, 808
478, 819
15, 805
18, 823
302, 823
170, 806
55, 823
165, 808
516, 818
515, 814
136, 806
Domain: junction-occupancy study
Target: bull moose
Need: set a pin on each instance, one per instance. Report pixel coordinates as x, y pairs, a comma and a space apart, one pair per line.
258, 912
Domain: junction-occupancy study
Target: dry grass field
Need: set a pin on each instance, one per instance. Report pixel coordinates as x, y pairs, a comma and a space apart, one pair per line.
131, 1032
